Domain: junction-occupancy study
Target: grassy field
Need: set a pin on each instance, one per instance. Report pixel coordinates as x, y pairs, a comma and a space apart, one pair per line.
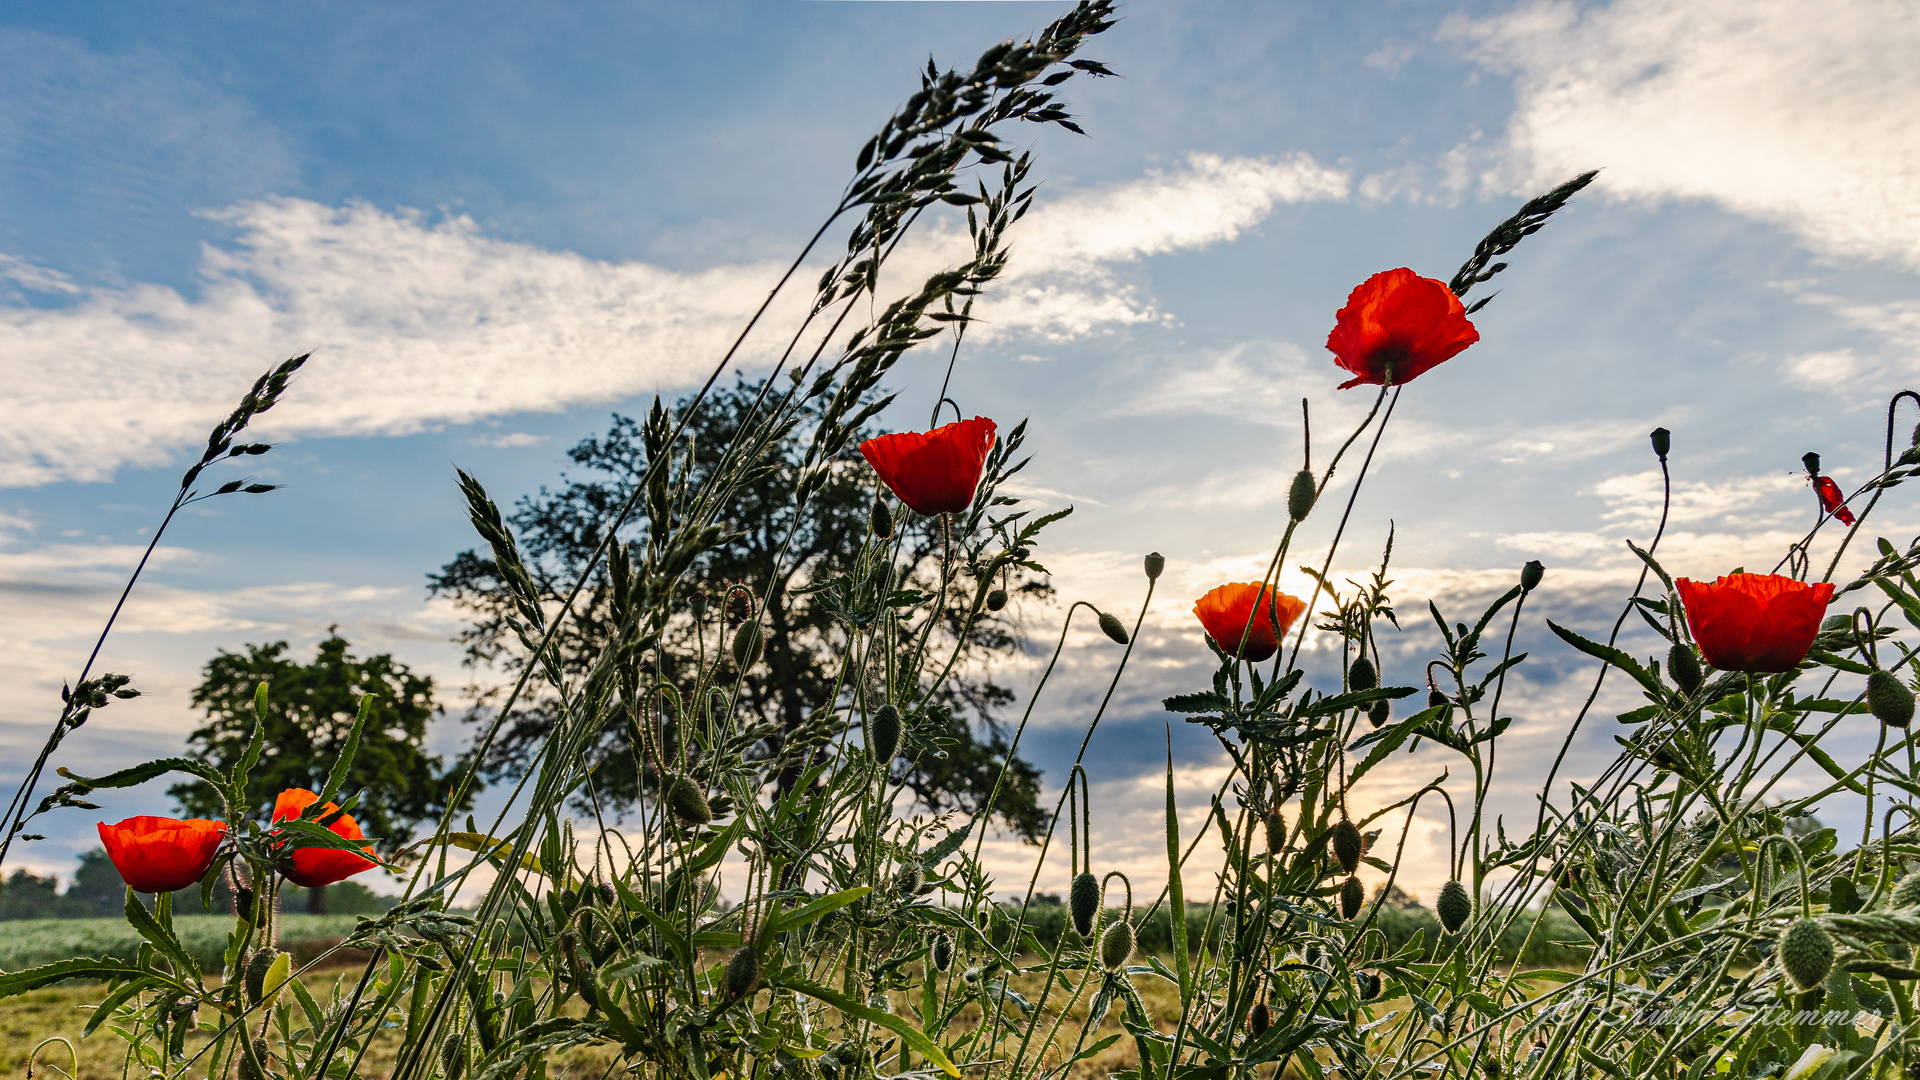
26, 943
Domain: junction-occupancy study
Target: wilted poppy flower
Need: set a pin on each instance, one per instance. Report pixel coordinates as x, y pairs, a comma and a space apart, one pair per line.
935, 472
161, 854
1224, 613
313, 867
1754, 622
1398, 320
1831, 500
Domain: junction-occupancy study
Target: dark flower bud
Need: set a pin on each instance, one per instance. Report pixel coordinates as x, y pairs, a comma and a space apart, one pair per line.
942, 952
1116, 945
1259, 1020
1812, 461
243, 903
256, 976
1300, 496
1379, 712
1806, 953
1454, 907
1531, 574
1662, 442
881, 520
1155, 563
1346, 846
1084, 902
907, 882
1110, 626
1889, 699
747, 643
743, 974
1491, 1065
253, 1066
606, 893
1369, 985
1276, 831
996, 599
1683, 667
883, 734
1353, 897
688, 802
569, 899
1435, 699
1362, 676
453, 1055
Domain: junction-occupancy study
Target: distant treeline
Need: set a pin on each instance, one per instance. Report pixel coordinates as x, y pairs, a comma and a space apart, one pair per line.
97, 892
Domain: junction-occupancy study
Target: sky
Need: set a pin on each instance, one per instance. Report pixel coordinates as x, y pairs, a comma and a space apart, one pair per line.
495, 225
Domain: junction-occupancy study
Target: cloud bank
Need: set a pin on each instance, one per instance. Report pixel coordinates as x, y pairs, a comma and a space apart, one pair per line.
417, 323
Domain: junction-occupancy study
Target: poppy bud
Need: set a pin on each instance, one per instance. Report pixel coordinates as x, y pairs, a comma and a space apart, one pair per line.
747, 644
881, 520
996, 599
1346, 846
1116, 945
1812, 461
907, 882
1454, 907
243, 902
1684, 668
1531, 574
1276, 832
253, 1066
1259, 1020
1155, 563
688, 802
1369, 985
1379, 713
606, 893
453, 1055
1112, 628
1435, 699
743, 973
256, 977
883, 734
1362, 676
1491, 1066
1084, 900
1889, 699
1300, 496
1352, 898
942, 952
1662, 442
569, 899
1806, 953
1906, 893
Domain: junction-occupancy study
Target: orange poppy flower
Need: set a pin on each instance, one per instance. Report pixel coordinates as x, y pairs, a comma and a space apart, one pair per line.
313, 867
1754, 622
161, 854
1401, 320
1224, 613
1831, 500
935, 472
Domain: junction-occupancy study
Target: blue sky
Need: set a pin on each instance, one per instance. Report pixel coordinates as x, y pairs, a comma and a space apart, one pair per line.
496, 224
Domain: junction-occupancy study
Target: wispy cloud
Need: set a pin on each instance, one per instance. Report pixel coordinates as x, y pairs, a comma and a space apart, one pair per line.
418, 323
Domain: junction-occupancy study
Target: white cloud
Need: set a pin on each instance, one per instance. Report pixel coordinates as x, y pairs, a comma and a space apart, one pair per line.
1805, 113
417, 323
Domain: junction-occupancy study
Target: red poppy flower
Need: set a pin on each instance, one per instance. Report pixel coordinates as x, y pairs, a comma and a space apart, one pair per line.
161, 854
1224, 613
1831, 500
935, 472
1754, 622
1402, 321
314, 867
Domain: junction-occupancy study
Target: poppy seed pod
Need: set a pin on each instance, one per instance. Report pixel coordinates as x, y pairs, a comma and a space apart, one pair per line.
697, 603
1662, 442
1454, 907
1683, 667
883, 734
1362, 676
1116, 945
1906, 893
1806, 953
881, 520
1889, 699
1084, 902
1531, 574
747, 644
1812, 461
1300, 496
453, 1055
1259, 1020
942, 952
1346, 846
1352, 898
1379, 713
743, 973
1276, 832
1155, 563
688, 802
996, 599
1110, 626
